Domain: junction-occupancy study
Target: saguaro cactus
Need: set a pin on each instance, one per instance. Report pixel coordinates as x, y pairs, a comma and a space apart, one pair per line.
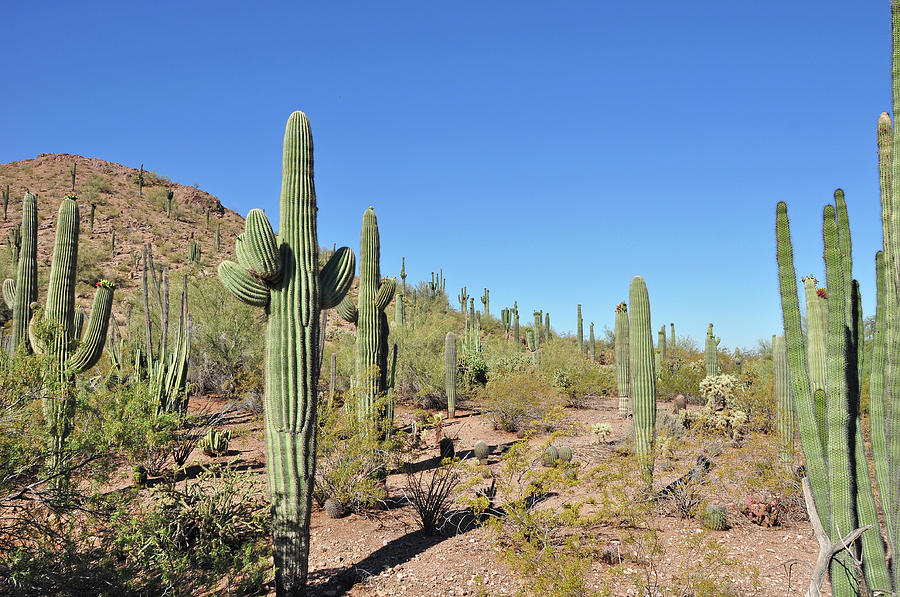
643, 376
486, 301
170, 198
281, 275
673, 335
661, 342
21, 292
450, 372
52, 330
622, 356
505, 320
538, 321
593, 344
140, 181
515, 312
547, 326
533, 346
403, 273
712, 357
375, 294
580, 335
463, 299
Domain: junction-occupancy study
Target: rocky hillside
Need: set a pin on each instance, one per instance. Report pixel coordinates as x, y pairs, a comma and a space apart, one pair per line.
120, 212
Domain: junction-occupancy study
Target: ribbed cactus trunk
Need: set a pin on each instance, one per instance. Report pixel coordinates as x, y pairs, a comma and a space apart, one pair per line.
19, 294
450, 372
622, 357
538, 324
593, 343
672, 341
55, 332
661, 342
712, 356
547, 327
580, 333
643, 377
283, 276
784, 406
486, 301
369, 315
516, 323
399, 311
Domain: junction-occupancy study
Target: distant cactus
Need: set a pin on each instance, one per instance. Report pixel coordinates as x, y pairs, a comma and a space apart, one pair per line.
565, 453
661, 342
679, 403
72, 172
538, 327
672, 340
93, 209
141, 182
547, 326
784, 405
206, 211
550, 456
580, 333
515, 312
403, 272
486, 301
712, 357
399, 311
593, 343
622, 357
715, 519
533, 347
505, 320
450, 369
170, 199
218, 237
5, 202
463, 299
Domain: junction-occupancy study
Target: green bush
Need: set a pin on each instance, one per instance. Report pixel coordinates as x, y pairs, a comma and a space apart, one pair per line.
519, 400
680, 376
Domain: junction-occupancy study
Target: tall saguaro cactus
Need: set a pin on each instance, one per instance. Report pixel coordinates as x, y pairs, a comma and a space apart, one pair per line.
580, 336
450, 372
52, 330
375, 294
281, 275
515, 312
712, 356
21, 292
593, 345
486, 301
643, 376
622, 356
784, 408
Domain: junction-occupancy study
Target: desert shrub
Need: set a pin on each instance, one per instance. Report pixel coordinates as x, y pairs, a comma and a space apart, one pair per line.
519, 400
97, 184
352, 458
228, 341
754, 394
509, 362
473, 370
680, 376
574, 375
214, 525
432, 492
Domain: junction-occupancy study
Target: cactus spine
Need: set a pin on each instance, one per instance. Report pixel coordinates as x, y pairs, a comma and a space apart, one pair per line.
580, 336
293, 292
622, 356
712, 357
19, 294
375, 294
450, 372
643, 376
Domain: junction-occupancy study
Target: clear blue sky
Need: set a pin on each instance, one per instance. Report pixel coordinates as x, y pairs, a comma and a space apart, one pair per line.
548, 152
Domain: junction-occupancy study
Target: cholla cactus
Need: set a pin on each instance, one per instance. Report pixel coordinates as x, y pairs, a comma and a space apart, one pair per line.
601, 432
718, 390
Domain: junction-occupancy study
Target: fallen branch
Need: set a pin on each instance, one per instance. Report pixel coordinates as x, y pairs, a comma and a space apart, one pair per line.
827, 549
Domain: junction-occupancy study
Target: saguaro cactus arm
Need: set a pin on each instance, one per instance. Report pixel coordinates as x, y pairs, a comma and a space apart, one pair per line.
91, 347
347, 310
261, 248
9, 293
385, 293
336, 277
242, 284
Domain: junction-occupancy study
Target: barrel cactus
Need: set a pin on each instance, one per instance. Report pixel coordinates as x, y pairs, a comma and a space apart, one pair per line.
715, 518
334, 508
550, 456
281, 275
481, 451
565, 453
